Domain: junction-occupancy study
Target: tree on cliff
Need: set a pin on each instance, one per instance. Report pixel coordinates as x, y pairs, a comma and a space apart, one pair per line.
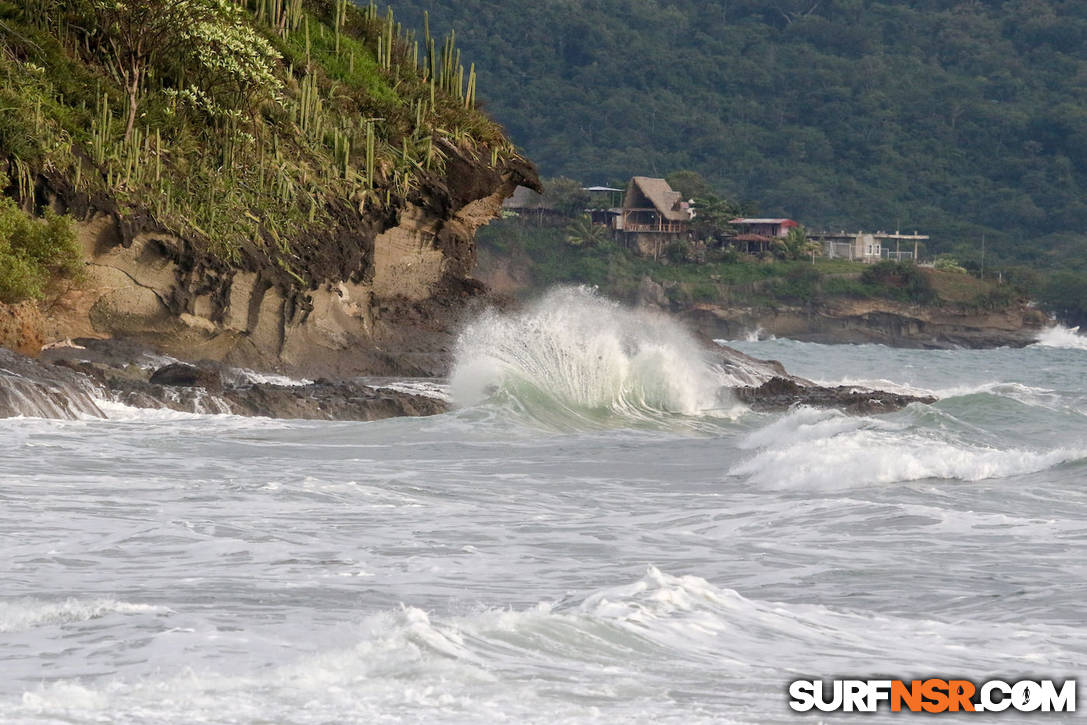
207, 42
712, 217
690, 184
565, 196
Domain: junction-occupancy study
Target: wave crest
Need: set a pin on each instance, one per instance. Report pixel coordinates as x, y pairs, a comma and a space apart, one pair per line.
575, 354
822, 449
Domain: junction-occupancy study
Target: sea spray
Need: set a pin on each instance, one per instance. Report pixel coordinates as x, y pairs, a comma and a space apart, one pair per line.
1061, 336
575, 353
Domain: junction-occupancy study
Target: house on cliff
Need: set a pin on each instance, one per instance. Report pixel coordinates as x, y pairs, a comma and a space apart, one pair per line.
605, 204
870, 247
759, 235
652, 216
530, 204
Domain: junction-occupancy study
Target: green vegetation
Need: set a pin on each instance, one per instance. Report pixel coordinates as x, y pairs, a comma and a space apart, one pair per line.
723, 276
947, 263
958, 118
33, 252
260, 130
582, 232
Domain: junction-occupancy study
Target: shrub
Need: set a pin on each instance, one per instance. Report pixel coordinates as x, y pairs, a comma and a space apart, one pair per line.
900, 280
677, 251
800, 283
998, 298
32, 252
947, 263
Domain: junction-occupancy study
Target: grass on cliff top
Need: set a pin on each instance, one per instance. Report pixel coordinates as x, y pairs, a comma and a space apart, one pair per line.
731, 279
255, 122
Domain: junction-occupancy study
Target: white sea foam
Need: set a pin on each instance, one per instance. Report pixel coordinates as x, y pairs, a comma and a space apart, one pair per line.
282, 548
1027, 394
610, 655
890, 386
22, 614
60, 400
827, 450
576, 352
154, 361
120, 412
244, 376
428, 388
758, 335
1061, 336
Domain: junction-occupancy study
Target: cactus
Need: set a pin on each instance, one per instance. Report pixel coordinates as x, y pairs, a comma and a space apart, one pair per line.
470, 95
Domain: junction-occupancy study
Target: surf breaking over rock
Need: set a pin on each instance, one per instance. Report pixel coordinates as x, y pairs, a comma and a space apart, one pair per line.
570, 359
84, 383
573, 353
579, 352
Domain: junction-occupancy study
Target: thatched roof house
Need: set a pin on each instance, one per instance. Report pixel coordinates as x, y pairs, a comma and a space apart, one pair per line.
645, 193
525, 199
653, 215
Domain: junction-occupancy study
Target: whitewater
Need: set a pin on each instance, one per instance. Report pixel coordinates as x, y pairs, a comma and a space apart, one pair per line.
594, 535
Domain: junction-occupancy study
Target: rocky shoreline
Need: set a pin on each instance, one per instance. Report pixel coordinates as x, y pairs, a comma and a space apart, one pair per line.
881, 322
72, 381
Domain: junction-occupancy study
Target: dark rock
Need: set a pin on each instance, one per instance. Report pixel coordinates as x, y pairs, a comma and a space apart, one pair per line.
325, 400
189, 376
783, 393
650, 294
29, 388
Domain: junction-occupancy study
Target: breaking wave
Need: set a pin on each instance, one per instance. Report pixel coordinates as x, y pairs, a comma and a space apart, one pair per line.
574, 355
1061, 336
822, 449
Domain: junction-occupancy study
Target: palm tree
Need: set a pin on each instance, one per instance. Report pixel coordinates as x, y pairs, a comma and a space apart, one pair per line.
583, 233
796, 245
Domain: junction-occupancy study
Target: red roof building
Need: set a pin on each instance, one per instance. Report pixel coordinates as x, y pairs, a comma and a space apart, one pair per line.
764, 227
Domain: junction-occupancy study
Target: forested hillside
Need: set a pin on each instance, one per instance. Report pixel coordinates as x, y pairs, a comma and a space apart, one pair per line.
957, 117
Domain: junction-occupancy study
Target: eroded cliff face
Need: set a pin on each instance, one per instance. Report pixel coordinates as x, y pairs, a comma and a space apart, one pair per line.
385, 291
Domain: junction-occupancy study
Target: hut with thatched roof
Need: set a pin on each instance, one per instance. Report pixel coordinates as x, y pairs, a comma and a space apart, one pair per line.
653, 215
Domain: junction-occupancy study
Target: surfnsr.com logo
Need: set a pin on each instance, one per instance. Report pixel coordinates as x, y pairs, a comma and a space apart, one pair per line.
932, 695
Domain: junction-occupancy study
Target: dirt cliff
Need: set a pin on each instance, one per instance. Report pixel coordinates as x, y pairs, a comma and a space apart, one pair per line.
383, 291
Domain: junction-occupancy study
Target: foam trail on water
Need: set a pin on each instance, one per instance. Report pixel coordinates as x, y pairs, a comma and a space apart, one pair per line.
574, 354
1061, 336
23, 614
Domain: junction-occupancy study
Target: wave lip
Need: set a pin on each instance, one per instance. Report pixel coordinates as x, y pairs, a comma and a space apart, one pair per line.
574, 357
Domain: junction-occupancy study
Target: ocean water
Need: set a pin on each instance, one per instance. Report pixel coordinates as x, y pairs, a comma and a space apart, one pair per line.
593, 536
